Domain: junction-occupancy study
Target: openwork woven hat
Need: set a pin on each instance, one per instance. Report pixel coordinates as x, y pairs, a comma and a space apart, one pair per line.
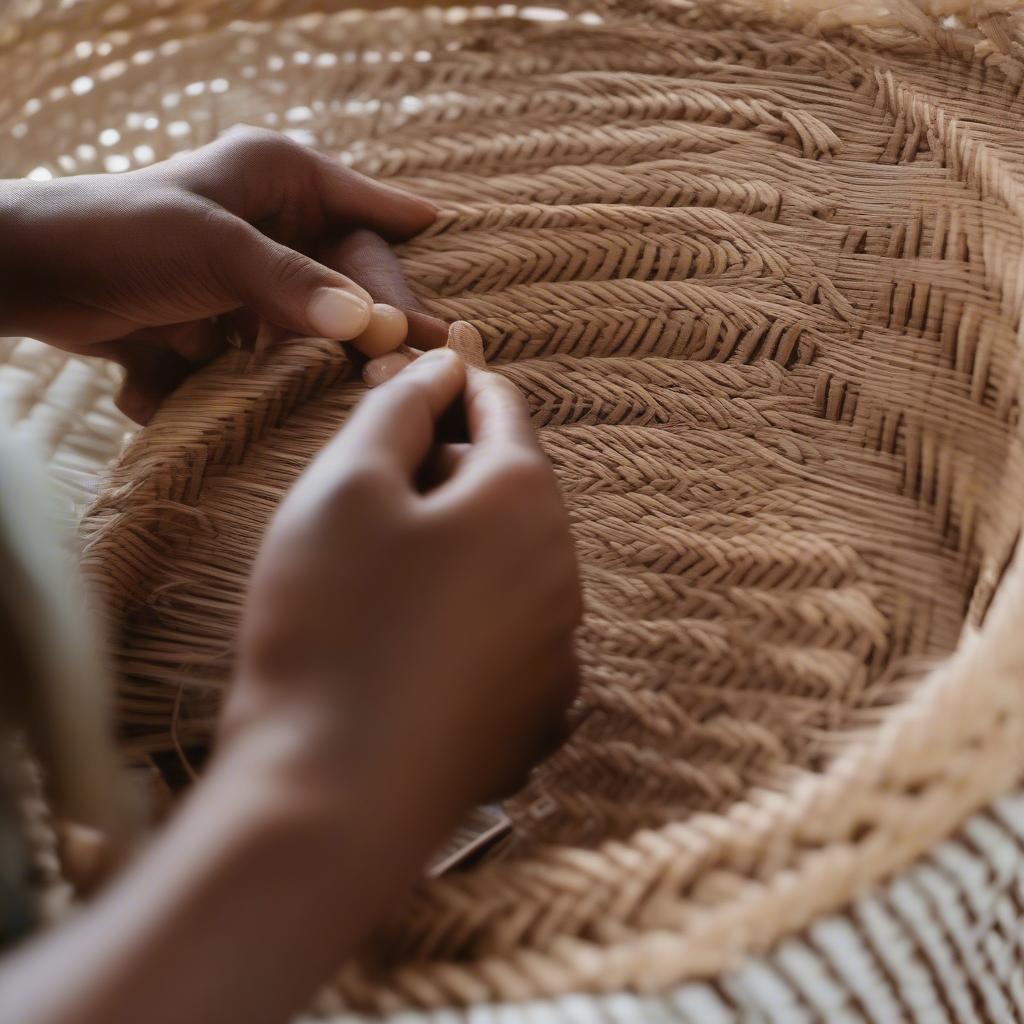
758, 270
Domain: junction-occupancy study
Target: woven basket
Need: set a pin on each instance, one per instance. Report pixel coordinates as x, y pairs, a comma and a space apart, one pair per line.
757, 269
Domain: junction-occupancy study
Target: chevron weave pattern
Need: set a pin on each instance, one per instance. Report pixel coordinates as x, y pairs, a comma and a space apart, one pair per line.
759, 279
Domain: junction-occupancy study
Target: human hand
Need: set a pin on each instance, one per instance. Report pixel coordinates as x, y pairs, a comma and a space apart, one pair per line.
367, 258
136, 267
414, 604
407, 650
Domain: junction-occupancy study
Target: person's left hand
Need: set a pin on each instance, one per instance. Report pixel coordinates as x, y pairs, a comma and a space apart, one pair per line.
141, 267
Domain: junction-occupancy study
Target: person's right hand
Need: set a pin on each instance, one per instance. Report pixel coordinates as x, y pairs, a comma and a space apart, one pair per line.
407, 651
426, 627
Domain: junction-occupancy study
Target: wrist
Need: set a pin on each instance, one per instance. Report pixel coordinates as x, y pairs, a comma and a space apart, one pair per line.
328, 777
264, 861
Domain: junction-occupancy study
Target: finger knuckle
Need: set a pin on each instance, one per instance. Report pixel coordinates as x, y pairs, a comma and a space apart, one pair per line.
360, 481
289, 268
254, 144
216, 223
329, 490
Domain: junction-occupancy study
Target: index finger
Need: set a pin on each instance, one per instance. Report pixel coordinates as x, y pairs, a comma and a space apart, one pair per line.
497, 414
356, 200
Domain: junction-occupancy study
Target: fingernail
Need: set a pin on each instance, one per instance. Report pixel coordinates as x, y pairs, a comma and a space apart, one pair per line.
379, 371
337, 313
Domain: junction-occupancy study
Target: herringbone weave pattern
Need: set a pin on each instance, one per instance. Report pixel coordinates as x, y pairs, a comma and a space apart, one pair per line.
760, 281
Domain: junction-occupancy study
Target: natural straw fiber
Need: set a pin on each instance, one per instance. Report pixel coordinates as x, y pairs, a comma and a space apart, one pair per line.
62, 407
757, 270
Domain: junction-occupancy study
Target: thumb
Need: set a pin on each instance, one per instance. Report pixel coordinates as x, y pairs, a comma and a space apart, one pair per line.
288, 288
396, 425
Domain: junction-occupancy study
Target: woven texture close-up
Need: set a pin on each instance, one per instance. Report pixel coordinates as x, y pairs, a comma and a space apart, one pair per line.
758, 269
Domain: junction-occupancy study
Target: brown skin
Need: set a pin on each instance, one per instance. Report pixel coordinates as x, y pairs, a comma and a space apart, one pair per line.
407, 648
136, 267
318, 599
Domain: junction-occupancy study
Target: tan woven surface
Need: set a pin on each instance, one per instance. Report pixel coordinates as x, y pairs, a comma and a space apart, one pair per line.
762, 291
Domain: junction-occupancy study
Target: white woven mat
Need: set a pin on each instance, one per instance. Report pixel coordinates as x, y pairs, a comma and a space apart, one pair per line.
63, 406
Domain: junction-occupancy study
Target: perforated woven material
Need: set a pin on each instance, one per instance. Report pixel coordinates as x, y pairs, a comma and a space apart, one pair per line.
762, 291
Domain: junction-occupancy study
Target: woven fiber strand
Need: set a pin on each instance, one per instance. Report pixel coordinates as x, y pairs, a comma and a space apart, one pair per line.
940, 942
762, 291
63, 407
